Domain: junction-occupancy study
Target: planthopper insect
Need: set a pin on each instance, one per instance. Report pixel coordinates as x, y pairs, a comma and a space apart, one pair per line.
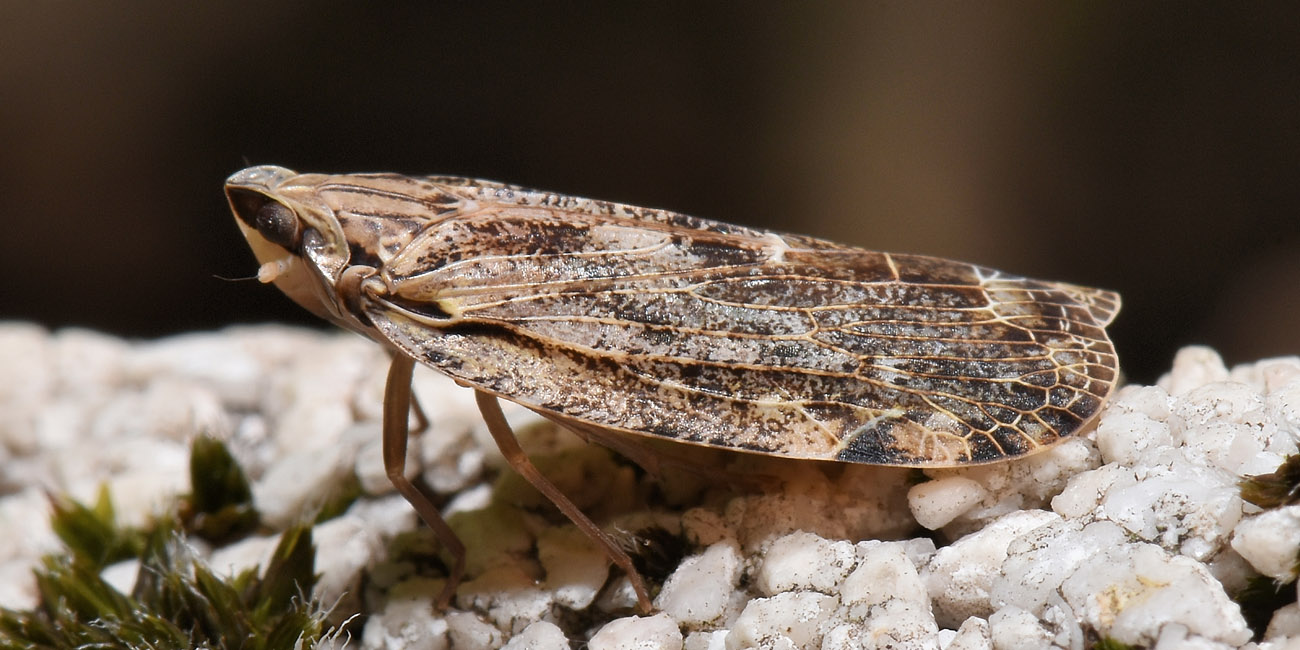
620, 323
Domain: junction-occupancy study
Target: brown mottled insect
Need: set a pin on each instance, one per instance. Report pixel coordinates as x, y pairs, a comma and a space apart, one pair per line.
612, 319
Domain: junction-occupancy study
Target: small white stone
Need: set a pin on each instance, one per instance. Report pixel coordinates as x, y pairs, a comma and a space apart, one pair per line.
1231, 570
803, 560
386, 516
60, 426
18, 584
1012, 628
884, 573
181, 409
1194, 366
1182, 505
405, 624
1283, 405
1177, 637
1266, 375
1270, 541
138, 496
1278, 643
27, 511
1042, 476
847, 636
235, 362
1023, 484
299, 483
618, 596
1278, 372
1285, 622
935, 503
450, 456
248, 553
1040, 560
313, 394
699, 590
575, 567
1222, 401
143, 475
311, 424
369, 464
27, 383
919, 550
706, 640
786, 620
1123, 436
657, 632
86, 360
344, 547
974, 634
1058, 619
468, 501
442, 399
1131, 591
1246, 448
1084, 493
871, 501
1152, 401
469, 632
900, 623
960, 575
539, 635
508, 596
1227, 423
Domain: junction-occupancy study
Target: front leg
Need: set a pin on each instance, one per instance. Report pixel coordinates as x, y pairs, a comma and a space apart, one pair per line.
397, 409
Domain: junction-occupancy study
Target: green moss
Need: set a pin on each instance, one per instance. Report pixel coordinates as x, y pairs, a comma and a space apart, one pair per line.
655, 551
1261, 597
177, 602
92, 534
220, 506
1278, 488
1107, 643
341, 497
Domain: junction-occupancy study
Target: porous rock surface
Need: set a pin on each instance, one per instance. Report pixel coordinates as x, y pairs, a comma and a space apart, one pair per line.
1134, 531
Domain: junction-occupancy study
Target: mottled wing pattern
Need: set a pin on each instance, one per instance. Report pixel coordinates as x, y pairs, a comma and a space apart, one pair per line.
657, 323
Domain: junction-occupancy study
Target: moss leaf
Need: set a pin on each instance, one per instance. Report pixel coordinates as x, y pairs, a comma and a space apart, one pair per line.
220, 504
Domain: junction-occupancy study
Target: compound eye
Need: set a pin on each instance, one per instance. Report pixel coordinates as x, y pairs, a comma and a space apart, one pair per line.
278, 224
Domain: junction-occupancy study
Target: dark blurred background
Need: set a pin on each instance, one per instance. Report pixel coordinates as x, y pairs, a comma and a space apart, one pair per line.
1152, 149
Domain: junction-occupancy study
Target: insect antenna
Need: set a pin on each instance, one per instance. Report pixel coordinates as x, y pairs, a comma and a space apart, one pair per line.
236, 279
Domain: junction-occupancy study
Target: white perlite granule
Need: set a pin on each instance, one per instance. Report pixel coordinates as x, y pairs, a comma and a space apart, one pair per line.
1135, 531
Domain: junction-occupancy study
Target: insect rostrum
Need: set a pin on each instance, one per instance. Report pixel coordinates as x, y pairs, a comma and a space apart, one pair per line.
616, 320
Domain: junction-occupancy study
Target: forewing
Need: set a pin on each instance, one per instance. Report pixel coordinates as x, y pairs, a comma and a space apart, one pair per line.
661, 324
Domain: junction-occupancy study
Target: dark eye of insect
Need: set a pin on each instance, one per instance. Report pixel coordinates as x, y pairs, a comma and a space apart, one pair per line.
277, 224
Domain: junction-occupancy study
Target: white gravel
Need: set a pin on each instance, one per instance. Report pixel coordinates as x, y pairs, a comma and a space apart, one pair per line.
1134, 531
